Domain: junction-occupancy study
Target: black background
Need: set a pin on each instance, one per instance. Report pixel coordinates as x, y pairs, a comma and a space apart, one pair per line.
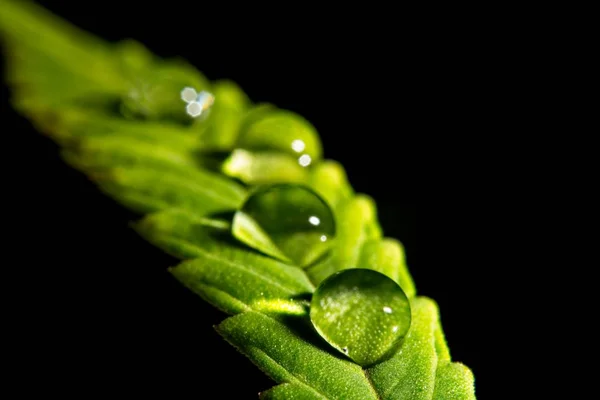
97, 310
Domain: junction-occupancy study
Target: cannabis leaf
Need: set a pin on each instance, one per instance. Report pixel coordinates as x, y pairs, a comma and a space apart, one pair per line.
116, 112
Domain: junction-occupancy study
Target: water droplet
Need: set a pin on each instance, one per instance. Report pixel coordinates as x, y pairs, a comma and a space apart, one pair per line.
304, 160
286, 221
346, 312
298, 145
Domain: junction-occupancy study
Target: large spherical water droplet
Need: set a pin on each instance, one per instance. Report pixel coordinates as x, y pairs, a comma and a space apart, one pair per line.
362, 313
289, 222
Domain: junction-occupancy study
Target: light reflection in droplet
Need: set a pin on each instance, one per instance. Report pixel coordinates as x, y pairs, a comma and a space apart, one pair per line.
197, 102
189, 94
323, 238
314, 221
205, 99
298, 145
387, 310
304, 160
395, 329
194, 109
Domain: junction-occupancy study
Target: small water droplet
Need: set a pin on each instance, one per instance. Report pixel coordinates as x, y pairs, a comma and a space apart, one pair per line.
387, 310
304, 160
298, 145
323, 238
395, 329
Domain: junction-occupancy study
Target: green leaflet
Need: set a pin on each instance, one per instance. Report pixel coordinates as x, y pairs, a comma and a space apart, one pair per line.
225, 117
387, 256
116, 111
356, 224
285, 355
235, 281
262, 168
411, 373
328, 179
148, 190
288, 355
454, 381
290, 392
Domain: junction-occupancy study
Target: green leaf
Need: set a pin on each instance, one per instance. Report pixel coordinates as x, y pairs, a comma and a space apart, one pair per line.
149, 190
387, 256
454, 381
223, 123
410, 374
356, 224
122, 151
116, 111
288, 355
289, 391
362, 313
264, 168
178, 232
235, 280
329, 180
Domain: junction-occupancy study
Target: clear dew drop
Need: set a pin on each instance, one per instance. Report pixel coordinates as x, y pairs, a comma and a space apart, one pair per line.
377, 335
286, 221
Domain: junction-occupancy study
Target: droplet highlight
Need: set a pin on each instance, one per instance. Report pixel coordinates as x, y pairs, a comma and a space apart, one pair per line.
298, 145
304, 160
198, 103
346, 310
286, 221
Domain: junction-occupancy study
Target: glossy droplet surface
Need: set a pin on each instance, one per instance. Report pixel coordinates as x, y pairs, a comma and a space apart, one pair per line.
286, 221
362, 313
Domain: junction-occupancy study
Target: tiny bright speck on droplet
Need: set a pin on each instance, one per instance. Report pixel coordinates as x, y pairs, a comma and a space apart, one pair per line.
387, 310
194, 109
323, 238
298, 145
189, 94
304, 160
314, 221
